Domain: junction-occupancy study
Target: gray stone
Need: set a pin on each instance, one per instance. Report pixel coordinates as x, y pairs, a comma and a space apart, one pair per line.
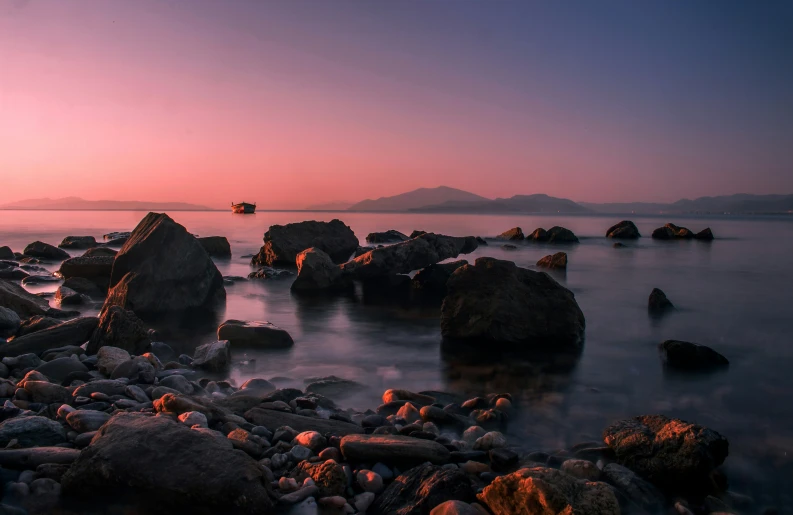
84, 421
31, 431
214, 356
108, 358
262, 335
59, 369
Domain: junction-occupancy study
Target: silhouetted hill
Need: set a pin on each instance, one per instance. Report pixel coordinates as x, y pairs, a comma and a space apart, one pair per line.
76, 203
416, 198
330, 206
538, 203
733, 204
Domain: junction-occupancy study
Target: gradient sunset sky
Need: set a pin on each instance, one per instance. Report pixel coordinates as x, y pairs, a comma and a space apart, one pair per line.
290, 103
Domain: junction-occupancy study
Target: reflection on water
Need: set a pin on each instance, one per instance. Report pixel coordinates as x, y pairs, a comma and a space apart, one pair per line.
733, 294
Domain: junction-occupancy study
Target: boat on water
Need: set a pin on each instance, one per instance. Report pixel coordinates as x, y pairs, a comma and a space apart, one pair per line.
243, 208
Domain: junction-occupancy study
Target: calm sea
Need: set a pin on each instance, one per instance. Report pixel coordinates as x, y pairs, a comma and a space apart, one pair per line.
734, 294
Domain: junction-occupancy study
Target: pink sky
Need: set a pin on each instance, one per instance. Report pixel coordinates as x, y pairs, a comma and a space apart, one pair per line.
162, 101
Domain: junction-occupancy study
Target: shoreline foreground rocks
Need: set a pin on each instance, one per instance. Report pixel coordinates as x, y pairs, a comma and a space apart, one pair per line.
282, 243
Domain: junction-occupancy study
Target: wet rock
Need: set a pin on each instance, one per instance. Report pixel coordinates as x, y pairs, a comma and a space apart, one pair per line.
671, 232
163, 269
33, 457
544, 490
216, 246
668, 452
681, 355
432, 280
282, 243
421, 489
120, 328
100, 251
558, 234
13, 274
39, 279
455, 508
36, 323
9, 322
268, 272
556, 261
41, 250
108, 387
83, 286
47, 393
704, 235
369, 481
73, 332
78, 242
272, 419
33, 431
333, 387
59, 369
18, 300
514, 234
317, 271
84, 421
202, 470
632, 487
260, 335
108, 358
66, 296
97, 268
502, 459
658, 303
392, 449
625, 230
494, 301
581, 469
418, 399
390, 236
215, 356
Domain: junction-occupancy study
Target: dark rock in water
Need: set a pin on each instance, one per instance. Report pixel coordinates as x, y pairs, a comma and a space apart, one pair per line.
422, 488
704, 235
17, 299
514, 234
558, 234
509, 246
392, 449
390, 236
267, 272
260, 335
120, 328
619, 245
282, 243
539, 234
84, 421
432, 280
36, 323
202, 470
658, 302
416, 234
215, 356
7, 253
99, 252
9, 322
13, 274
690, 356
84, 286
78, 242
531, 491
494, 301
671, 232
73, 332
163, 269
96, 267
635, 489
333, 387
625, 230
668, 452
329, 476
274, 419
317, 271
216, 246
66, 296
557, 261
59, 369
116, 235
481, 241
32, 431
41, 250
40, 279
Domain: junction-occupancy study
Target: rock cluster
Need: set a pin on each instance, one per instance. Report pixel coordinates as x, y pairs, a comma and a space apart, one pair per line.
282, 243
671, 231
555, 234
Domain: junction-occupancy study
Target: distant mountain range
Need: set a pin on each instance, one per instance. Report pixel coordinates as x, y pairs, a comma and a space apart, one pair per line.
450, 200
76, 204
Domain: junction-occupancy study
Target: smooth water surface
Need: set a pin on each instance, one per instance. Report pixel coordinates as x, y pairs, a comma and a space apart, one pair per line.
733, 294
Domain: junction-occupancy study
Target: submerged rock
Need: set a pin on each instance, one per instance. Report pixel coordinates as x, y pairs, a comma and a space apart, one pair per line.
556, 261
514, 234
668, 452
494, 301
163, 269
67, 297
261, 335
625, 230
390, 236
39, 249
202, 471
690, 356
78, 242
216, 246
532, 491
282, 243
658, 303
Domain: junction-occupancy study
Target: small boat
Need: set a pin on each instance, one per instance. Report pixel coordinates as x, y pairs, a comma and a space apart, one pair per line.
243, 208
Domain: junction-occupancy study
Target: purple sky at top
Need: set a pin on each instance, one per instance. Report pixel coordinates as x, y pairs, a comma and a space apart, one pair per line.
291, 103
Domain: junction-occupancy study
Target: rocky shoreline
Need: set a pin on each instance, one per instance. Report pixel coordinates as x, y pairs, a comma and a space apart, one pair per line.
100, 408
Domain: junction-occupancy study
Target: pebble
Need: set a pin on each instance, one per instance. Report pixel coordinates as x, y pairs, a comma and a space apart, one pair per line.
474, 467
193, 418
472, 434
262, 431
383, 470
409, 413
137, 393
503, 404
491, 440
581, 469
279, 461
300, 453
287, 484
45, 487
430, 427
336, 502
362, 501
312, 440
370, 481
331, 453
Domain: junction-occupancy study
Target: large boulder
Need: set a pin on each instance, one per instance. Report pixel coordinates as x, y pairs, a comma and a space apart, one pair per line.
390, 236
78, 242
19, 300
119, 328
625, 230
422, 488
317, 271
216, 246
282, 243
668, 452
260, 335
514, 234
95, 267
73, 332
166, 463
690, 356
557, 261
547, 491
163, 269
41, 250
496, 302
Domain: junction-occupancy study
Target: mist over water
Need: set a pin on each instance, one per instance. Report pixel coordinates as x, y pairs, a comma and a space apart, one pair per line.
733, 294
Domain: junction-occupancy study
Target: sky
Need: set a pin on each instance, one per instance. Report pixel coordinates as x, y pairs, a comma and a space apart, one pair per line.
293, 103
